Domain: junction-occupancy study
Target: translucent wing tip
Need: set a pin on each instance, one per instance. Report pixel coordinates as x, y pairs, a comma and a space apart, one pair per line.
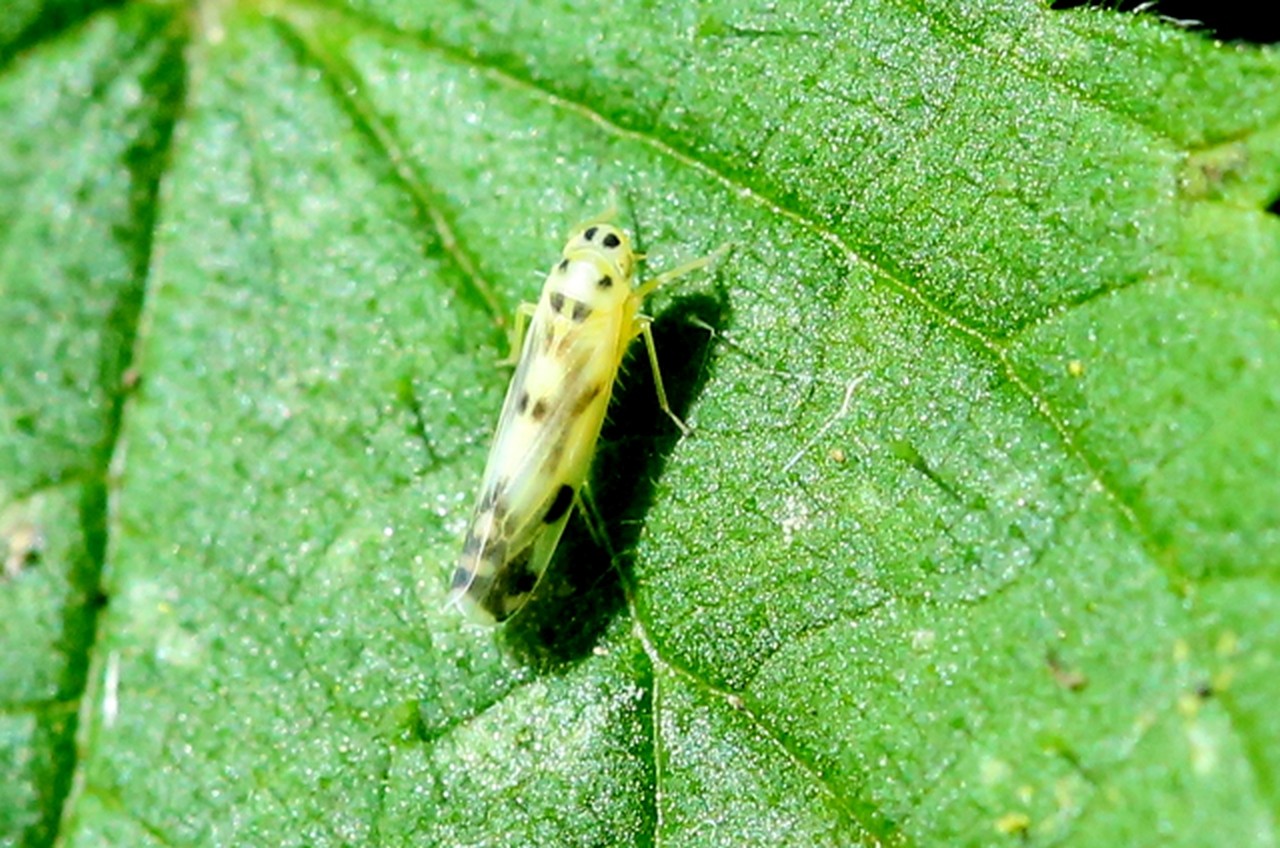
463, 598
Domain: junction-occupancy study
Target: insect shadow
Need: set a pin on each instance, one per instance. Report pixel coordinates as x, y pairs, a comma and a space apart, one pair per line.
583, 590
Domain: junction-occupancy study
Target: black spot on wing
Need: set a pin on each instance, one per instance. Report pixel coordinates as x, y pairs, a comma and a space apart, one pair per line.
523, 581
557, 301
559, 505
540, 410
490, 502
563, 266
522, 403
508, 588
494, 552
604, 282
580, 311
584, 400
555, 455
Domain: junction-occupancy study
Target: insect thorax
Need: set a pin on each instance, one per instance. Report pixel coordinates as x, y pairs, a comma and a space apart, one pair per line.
588, 280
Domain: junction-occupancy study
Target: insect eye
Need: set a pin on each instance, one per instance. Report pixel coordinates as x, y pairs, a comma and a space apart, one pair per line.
590, 234
611, 240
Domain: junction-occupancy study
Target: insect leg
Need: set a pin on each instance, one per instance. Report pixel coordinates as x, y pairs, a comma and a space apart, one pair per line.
647, 287
591, 517
642, 327
523, 313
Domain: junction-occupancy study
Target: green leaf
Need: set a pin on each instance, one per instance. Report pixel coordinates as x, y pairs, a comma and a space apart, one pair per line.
88, 107
975, 539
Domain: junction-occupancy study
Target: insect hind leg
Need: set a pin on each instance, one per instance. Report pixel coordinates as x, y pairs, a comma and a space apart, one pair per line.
644, 329
591, 517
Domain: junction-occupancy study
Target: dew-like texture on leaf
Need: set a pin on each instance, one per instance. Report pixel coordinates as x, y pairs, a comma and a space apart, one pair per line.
565, 760
975, 537
86, 122
724, 779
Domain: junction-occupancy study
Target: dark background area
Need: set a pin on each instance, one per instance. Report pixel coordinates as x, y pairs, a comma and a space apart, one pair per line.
1257, 23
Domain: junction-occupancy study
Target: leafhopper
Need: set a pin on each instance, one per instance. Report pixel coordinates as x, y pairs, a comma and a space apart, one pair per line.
571, 344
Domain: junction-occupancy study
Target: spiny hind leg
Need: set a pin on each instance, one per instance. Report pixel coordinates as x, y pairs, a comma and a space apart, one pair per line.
643, 328
523, 313
591, 516
590, 513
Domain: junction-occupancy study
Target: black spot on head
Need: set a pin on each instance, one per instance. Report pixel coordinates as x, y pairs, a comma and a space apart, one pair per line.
557, 301
564, 265
539, 410
559, 505
604, 282
580, 312
590, 233
522, 402
612, 240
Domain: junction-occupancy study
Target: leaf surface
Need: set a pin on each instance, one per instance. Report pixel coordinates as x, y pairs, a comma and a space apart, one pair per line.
975, 538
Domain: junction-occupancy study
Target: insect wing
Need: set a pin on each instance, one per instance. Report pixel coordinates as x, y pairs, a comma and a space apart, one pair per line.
542, 449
